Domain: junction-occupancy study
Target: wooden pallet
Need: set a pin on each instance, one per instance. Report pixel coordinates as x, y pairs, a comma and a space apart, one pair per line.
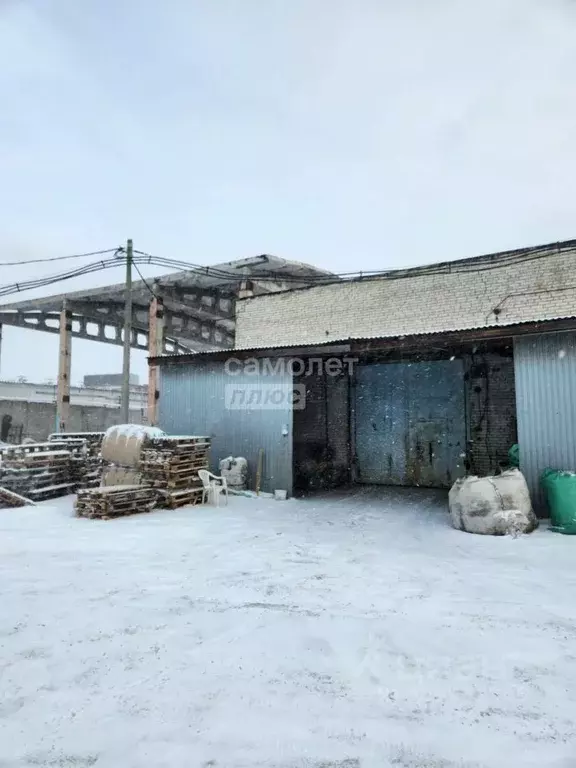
115, 501
56, 458
32, 448
38, 470
161, 460
172, 442
10, 499
93, 440
51, 491
171, 499
163, 473
153, 459
177, 484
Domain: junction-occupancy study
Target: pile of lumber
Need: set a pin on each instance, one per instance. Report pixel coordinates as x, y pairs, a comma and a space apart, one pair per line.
114, 501
170, 465
86, 458
10, 499
37, 470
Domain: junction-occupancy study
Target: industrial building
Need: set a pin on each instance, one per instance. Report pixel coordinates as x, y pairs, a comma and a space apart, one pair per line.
408, 377
28, 410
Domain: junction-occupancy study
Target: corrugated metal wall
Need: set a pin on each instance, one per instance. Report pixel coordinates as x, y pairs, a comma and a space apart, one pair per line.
199, 399
545, 370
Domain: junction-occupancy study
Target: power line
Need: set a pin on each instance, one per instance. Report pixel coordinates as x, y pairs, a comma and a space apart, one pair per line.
26, 285
143, 279
59, 258
478, 264
222, 274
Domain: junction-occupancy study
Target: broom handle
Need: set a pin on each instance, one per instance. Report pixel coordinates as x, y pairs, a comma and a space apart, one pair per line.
259, 470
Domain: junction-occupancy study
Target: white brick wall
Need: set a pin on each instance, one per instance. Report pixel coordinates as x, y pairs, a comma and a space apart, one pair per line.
538, 289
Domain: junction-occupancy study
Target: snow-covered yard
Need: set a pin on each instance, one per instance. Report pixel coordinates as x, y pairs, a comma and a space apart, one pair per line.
356, 629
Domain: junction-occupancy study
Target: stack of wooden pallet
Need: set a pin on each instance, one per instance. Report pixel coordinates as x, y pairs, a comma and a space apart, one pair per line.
86, 458
170, 465
114, 501
10, 499
37, 470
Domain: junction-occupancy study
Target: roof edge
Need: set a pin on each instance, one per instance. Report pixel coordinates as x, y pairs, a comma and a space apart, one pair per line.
491, 331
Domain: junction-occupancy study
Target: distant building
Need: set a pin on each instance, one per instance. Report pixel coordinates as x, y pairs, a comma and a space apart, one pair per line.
103, 397
28, 409
109, 380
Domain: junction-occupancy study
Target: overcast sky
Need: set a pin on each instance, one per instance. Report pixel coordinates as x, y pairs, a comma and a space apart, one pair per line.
350, 134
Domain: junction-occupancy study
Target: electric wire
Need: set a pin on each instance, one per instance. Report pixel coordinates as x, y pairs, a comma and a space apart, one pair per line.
478, 264
26, 285
58, 258
305, 280
152, 292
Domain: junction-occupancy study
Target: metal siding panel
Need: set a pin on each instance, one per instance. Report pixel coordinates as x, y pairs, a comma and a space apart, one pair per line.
192, 401
545, 371
410, 423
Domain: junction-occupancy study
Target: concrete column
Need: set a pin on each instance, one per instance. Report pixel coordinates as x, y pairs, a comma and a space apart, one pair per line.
155, 348
64, 362
246, 289
0, 343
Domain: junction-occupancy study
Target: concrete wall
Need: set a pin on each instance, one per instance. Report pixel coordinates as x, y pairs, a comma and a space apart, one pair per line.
459, 297
38, 420
100, 397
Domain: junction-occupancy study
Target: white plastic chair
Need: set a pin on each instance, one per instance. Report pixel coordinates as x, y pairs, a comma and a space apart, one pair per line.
212, 486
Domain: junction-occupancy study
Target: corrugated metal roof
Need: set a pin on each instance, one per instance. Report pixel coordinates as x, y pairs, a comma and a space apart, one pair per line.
523, 328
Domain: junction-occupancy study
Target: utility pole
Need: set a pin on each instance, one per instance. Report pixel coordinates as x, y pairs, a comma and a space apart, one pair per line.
125, 406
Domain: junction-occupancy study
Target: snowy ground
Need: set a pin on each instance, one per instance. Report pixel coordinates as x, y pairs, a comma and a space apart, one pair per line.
355, 630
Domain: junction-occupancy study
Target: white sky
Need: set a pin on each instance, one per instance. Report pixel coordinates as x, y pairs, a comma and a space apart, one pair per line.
352, 134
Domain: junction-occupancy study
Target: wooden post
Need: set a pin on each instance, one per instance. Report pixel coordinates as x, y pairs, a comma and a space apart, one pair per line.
155, 348
64, 361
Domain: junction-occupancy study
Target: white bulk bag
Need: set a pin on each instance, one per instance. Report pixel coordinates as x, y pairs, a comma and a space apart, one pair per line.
494, 505
123, 444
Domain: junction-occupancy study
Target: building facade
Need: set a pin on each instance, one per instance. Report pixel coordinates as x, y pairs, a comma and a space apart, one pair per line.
414, 377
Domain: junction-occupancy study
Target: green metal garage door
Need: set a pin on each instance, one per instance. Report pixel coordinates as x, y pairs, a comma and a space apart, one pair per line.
410, 423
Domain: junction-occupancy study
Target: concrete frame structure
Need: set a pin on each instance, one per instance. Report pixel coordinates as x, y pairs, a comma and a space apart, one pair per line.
181, 312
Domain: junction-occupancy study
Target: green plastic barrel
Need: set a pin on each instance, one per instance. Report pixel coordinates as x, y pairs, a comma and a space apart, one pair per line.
560, 489
514, 455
